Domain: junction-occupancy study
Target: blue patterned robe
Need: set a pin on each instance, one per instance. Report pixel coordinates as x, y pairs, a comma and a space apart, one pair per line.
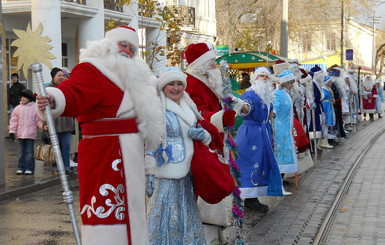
260, 173
284, 140
327, 105
380, 98
174, 217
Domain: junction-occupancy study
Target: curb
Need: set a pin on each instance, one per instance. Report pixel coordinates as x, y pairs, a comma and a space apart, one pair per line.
44, 184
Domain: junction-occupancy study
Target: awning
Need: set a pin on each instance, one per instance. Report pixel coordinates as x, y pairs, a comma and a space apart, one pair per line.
246, 60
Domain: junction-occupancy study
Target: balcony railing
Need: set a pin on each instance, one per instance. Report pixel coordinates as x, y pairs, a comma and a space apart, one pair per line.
186, 15
113, 5
142, 11
82, 2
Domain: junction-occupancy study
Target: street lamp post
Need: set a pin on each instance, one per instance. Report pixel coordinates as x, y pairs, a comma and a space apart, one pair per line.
342, 33
374, 44
374, 19
2, 109
284, 28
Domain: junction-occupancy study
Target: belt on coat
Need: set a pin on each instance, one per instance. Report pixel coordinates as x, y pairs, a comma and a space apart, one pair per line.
109, 127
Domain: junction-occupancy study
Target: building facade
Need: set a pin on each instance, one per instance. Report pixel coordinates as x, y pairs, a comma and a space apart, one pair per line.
70, 24
323, 45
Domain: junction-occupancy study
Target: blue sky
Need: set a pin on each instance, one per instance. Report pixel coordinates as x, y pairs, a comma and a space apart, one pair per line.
380, 13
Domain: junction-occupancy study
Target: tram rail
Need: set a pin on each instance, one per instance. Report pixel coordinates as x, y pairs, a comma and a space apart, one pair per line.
327, 223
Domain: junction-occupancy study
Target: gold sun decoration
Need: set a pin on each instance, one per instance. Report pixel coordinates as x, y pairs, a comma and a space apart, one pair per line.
32, 48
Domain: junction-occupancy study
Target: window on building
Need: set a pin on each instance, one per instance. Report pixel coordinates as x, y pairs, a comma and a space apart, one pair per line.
10, 64
142, 42
64, 54
331, 43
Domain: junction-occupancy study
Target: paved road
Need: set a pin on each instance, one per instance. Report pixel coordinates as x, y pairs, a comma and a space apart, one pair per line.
39, 218
297, 218
42, 217
361, 219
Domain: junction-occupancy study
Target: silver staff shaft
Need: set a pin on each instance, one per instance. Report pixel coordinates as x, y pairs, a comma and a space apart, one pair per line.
314, 134
67, 194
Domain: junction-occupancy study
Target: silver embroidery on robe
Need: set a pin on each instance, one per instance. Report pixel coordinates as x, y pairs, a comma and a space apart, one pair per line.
117, 205
174, 137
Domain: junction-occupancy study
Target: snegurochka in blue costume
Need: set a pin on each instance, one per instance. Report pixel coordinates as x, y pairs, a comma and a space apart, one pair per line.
260, 173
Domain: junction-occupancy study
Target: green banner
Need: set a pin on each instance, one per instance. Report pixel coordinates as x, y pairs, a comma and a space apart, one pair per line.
223, 50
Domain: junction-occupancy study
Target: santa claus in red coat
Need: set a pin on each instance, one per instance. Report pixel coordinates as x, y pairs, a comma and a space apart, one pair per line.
369, 96
110, 94
204, 85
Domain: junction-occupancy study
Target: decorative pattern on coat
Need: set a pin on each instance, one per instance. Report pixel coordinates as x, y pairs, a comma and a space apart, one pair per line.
118, 206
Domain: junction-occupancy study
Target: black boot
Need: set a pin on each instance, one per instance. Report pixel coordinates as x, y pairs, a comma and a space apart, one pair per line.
254, 204
379, 115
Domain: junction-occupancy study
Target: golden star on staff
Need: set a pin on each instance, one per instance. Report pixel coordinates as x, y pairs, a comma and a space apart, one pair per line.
32, 48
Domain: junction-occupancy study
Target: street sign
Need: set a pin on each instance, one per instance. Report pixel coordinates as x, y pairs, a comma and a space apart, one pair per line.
223, 50
349, 54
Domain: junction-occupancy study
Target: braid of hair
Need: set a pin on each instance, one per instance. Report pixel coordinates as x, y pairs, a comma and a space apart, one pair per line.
192, 105
164, 137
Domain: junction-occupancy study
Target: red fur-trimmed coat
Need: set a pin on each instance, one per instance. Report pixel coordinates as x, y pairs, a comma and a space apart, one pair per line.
111, 168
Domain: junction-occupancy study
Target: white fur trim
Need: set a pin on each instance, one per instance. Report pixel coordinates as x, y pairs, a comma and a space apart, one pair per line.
305, 80
237, 104
60, 103
214, 214
278, 68
284, 78
209, 55
186, 119
217, 120
98, 63
262, 71
132, 152
171, 76
104, 234
146, 102
124, 34
149, 165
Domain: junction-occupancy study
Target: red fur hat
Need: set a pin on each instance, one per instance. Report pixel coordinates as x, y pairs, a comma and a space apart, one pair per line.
199, 53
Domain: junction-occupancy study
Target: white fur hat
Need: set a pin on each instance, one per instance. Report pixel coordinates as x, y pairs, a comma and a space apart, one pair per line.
286, 76
261, 70
124, 33
351, 69
280, 66
170, 74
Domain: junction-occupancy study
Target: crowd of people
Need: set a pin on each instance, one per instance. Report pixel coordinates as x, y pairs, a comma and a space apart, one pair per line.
135, 158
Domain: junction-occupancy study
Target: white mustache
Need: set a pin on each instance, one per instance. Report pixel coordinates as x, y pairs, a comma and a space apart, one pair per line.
124, 54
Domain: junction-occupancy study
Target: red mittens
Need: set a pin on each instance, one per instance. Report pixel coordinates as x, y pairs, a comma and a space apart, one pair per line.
228, 118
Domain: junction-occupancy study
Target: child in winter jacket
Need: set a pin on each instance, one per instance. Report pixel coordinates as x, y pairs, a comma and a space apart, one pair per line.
24, 121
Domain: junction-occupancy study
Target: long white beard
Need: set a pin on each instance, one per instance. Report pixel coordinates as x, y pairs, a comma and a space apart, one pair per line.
341, 85
309, 91
133, 75
214, 82
319, 79
353, 85
264, 90
368, 84
296, 89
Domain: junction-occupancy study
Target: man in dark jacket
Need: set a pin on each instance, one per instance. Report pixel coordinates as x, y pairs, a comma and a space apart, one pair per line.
14, 93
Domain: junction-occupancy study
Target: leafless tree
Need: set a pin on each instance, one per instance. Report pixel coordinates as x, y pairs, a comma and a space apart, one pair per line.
250, 24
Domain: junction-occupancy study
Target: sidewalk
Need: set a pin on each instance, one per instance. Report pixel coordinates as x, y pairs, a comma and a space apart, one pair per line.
16, 185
